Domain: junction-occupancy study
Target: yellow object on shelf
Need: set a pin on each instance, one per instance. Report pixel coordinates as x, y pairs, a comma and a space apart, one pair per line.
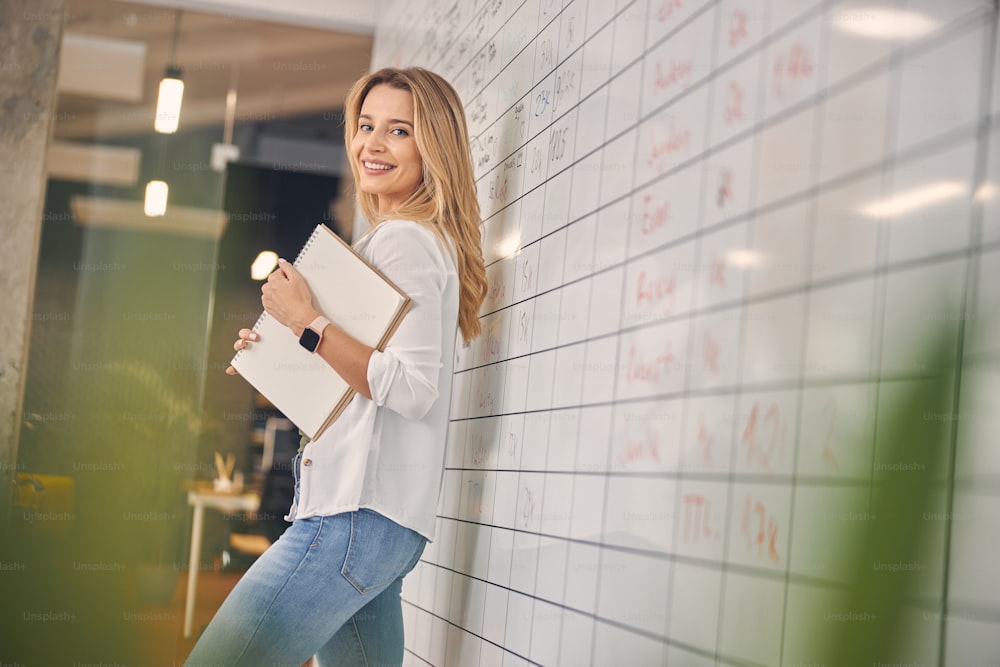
44, 504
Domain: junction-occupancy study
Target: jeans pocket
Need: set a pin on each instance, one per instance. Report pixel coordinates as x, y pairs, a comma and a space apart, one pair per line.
380, 551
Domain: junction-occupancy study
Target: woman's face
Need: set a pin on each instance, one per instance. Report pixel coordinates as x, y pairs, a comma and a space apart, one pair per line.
384, 150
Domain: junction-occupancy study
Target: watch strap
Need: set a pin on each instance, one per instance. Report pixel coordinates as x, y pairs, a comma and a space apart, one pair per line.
319, 326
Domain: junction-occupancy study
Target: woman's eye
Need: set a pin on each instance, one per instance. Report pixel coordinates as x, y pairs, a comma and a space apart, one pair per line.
365, 127
400, 132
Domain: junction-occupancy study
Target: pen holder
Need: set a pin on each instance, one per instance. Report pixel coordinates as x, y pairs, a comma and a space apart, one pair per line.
227, 481
223, 484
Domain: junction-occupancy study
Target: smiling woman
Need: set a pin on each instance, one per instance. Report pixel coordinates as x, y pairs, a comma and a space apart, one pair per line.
367, 488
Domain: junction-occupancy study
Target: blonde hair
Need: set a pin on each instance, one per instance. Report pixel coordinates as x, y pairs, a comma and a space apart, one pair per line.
445, 200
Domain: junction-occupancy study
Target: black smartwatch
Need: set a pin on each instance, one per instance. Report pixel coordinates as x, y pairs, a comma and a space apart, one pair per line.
313, 334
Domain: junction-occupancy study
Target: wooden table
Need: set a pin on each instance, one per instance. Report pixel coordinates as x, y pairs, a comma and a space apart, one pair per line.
199, 498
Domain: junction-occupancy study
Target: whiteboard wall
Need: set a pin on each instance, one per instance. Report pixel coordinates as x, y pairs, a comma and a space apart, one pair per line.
714, 231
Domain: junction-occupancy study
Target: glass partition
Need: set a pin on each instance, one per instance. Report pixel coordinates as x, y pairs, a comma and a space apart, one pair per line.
126, 402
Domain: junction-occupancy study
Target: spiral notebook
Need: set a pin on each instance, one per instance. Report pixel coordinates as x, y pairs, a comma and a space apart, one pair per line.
352, 294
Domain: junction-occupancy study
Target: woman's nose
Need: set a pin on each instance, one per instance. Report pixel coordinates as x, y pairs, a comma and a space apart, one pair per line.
373, 142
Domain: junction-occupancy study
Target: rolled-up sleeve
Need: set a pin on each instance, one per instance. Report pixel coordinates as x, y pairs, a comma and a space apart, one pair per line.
404, 378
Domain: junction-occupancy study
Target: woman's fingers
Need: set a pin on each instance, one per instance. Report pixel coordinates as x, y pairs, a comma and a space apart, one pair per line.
246, 336
242, 343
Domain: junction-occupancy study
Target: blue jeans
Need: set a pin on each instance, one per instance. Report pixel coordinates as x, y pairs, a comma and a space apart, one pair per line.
330, 587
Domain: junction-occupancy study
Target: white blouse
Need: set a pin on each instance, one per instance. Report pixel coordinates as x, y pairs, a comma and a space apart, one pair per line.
387, 453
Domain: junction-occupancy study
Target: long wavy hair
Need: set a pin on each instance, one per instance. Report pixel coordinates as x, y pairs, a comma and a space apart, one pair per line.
445, 200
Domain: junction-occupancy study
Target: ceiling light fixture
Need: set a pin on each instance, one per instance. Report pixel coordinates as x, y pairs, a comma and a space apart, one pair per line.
156, 199
155, 202
168, 102
265, 263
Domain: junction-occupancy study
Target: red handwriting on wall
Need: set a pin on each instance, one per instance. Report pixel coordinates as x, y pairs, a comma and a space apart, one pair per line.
717, 272
697, 518
500, 183
710, 354
675, 140
497, 290
480, 451
655, 291
675, 73
724, 194
492, 345
485, 399
500, 186
760, 529
763, 441
654, 216
732, 110
737, 27
792, 67
667, 9
644, 447
642, 367
705, 441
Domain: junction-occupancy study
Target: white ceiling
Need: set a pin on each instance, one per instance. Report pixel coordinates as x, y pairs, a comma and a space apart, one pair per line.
341, 15
283, 58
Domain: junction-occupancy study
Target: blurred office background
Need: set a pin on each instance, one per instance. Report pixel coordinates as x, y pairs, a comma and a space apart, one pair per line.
125, 400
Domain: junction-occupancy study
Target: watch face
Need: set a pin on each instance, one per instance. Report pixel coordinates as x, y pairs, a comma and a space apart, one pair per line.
309, 339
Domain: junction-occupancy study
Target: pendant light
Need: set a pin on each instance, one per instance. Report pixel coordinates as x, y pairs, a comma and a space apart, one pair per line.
157, 190
168, 102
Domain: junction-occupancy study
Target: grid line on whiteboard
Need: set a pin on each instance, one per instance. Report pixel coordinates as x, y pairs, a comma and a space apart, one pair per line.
876, 273
617, 360
929, 604
878, 276
970, 133
812, 206
888, 65
639, 631
969, 296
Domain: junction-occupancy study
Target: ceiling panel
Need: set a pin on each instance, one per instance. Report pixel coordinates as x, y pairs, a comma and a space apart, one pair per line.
278, 69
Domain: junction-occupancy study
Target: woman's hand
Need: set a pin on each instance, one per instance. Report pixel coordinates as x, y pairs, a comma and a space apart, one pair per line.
287, 298
242, 343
